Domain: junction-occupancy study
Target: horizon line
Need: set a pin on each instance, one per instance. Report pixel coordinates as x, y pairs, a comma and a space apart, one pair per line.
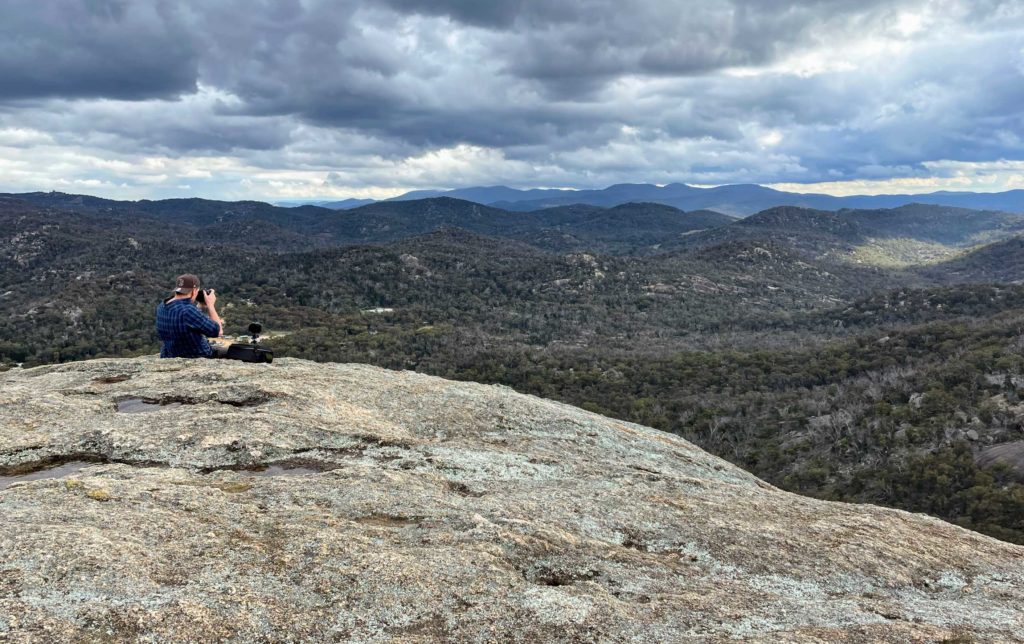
810, 189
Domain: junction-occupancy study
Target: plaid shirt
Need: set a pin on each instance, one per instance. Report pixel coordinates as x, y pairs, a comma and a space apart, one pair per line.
184, 329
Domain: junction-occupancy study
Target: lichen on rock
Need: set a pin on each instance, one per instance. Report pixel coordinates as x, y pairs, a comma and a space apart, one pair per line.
402, 507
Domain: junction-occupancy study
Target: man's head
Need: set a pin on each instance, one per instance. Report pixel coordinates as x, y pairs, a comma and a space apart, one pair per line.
186, 285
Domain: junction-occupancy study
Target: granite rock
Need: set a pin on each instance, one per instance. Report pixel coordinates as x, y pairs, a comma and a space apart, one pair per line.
223, 501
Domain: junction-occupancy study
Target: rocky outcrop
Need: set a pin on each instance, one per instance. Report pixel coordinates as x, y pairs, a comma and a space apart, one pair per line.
1009, 454
402, 507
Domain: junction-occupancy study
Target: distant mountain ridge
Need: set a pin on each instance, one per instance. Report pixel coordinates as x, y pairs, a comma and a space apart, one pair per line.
904, 235
738, 200
623, 229
344, 204
911, 234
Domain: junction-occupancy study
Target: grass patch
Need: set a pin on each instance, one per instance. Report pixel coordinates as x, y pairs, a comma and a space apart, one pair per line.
902, 252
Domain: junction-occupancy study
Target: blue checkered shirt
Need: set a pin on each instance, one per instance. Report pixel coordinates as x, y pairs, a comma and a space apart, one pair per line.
184, 329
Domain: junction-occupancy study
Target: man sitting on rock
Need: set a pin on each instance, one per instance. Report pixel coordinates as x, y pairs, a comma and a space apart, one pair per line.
182, 327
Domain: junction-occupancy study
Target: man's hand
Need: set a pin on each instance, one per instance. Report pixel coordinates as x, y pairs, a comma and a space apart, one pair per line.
211, 297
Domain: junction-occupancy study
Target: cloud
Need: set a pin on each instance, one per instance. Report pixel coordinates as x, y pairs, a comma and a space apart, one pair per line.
20, 137
497, 14
994, 176
383, 95
95, 48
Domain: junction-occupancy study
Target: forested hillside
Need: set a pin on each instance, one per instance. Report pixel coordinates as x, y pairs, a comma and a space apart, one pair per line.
809, 347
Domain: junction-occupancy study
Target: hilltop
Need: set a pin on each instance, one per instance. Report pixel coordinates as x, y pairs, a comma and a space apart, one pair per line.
431, 510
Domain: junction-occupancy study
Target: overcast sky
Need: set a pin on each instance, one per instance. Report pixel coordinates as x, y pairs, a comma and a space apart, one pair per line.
291, 99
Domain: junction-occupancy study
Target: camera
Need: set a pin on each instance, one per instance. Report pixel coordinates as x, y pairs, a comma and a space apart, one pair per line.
201, 297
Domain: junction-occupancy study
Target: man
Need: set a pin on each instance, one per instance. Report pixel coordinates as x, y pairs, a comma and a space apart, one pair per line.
182, 327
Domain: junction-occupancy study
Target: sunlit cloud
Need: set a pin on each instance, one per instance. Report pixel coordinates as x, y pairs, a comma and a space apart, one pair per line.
993, 176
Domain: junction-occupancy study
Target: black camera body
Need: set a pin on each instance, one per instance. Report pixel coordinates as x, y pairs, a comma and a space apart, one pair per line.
201, 296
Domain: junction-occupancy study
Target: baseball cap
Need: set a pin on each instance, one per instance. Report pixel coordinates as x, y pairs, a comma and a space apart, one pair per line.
186, 283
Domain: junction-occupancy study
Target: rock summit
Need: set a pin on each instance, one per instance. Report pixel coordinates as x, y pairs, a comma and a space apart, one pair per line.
158, 500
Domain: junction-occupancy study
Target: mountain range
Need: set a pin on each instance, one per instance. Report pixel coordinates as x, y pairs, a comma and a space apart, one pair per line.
904, 235
736, 200
620, 229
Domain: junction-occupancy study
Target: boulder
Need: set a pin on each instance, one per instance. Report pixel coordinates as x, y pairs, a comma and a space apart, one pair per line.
1009, 454
200, 500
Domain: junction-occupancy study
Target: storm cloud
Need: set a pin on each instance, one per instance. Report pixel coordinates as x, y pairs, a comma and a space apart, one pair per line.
308, 98
93, 49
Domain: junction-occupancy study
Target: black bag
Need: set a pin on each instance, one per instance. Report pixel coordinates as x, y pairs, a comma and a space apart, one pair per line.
248, 352
251, 351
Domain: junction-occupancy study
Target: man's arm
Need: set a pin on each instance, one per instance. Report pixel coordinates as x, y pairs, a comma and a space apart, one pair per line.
206, 325
211, 300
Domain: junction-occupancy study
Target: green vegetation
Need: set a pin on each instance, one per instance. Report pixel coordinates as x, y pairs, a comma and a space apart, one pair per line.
900, 253
832, 379
858, 420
